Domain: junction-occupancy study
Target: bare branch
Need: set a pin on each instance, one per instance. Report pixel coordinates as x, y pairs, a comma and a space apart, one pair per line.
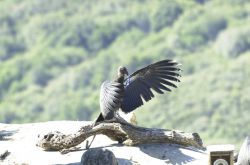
123, 133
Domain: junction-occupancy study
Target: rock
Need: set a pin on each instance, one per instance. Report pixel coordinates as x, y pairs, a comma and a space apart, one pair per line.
21, 139
98, 157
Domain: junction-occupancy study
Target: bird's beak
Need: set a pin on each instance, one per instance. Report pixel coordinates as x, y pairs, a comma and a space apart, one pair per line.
126, 72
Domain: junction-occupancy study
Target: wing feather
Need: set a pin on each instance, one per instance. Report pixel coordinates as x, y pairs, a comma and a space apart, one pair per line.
165, 82
110, 96
158, 77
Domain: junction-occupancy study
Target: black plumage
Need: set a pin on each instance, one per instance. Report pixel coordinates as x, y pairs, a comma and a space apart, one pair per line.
128, 93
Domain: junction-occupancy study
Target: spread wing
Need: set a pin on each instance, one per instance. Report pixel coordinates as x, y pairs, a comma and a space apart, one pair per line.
158, 76
110, 96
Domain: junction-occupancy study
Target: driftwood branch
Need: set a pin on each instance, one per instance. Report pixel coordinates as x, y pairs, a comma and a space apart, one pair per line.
124, 133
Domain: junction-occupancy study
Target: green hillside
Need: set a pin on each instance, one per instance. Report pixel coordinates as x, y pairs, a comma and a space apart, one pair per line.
54, 55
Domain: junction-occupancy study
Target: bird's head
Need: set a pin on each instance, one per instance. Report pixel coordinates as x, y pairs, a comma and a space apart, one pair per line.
122, 71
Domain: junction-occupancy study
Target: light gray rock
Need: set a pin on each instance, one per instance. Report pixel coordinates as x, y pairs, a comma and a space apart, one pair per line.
20, 140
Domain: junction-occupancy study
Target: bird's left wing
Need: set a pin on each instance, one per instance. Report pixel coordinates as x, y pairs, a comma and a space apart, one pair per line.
158, 76
110, 95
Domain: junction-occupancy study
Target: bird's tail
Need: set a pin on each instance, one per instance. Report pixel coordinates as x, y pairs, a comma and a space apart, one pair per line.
99, 119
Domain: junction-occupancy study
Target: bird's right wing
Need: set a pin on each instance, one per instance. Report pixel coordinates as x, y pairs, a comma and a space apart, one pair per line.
158, 76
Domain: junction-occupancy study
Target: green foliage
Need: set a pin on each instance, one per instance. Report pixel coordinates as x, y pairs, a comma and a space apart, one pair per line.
239, 38
165, 15
54, 55
197, 28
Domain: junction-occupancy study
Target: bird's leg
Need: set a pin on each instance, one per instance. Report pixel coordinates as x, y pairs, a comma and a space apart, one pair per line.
119, 119
115, 119
98, 120
89, 145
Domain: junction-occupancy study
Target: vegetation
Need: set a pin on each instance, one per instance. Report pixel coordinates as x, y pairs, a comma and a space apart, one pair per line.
54, 55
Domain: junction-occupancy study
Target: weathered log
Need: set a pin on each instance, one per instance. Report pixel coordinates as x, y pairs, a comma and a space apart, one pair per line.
124, 133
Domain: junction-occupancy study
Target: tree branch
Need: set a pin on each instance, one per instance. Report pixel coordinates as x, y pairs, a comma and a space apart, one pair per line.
124, 133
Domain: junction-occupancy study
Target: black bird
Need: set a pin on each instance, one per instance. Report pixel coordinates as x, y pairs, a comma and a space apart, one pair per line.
128, 93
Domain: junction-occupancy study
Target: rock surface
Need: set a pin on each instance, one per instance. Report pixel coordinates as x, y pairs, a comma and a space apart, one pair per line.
20, 141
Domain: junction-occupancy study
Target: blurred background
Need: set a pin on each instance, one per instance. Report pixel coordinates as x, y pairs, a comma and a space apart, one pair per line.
54, 55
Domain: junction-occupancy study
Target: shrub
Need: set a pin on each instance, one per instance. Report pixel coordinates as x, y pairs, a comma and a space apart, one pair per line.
41, 76
233, 42
198, 31
166, 15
